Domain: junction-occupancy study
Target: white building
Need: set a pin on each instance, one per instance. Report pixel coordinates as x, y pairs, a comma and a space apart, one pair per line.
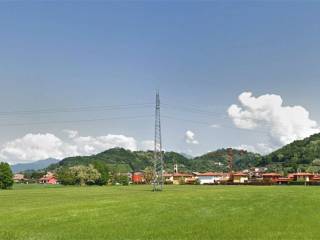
209, 177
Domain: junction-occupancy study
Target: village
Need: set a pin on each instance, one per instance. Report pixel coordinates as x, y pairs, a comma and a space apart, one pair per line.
255, 176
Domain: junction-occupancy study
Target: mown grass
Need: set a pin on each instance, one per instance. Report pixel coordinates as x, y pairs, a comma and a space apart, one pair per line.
179, 212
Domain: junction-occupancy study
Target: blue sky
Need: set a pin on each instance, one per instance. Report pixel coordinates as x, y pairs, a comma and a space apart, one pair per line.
198, 54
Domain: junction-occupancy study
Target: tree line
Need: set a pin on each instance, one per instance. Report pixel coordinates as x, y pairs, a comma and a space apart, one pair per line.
96, 173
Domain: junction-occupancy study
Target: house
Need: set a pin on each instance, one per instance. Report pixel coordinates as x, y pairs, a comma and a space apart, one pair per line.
19, 178
209, 177
168, 178
178, 178
270, 177
316, 178
225, 177
284, 180
191, 180
138, 178
48, 178
240, 178
256, 173
302, 177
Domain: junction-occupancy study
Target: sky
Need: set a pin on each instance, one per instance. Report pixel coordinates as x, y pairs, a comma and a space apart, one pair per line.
78, 78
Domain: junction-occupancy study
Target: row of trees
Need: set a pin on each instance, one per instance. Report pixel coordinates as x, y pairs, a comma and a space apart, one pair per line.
97, 173
6, 176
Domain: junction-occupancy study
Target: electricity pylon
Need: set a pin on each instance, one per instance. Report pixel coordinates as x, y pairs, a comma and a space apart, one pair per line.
158, 158
230, 163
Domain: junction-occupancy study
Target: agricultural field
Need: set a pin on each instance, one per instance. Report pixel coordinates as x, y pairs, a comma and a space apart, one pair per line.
179, 212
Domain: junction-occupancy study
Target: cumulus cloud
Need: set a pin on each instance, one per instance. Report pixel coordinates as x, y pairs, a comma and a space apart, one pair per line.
71, 133
284, 123
146, 145
262, 148
33, 147
36, 146
91, 145
190, 138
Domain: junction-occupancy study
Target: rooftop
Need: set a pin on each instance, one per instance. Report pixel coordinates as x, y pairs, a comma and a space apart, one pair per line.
210, 174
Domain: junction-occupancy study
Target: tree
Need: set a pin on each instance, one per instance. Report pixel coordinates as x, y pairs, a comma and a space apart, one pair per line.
104, 173
85, 174
123, 180
316, 162
313, 169
65, 176
6, 176
148, 174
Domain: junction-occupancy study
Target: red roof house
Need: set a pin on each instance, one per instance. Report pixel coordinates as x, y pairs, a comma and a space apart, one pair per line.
270, 177
49, 178
240, 177
282, 180
302, 176
138, 178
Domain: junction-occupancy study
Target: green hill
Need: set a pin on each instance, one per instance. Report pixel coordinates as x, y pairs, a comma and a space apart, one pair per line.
301, 154
218, 160
125, 160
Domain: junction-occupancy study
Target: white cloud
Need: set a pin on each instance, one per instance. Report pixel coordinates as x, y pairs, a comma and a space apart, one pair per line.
33, 147
146, 145
258, 148
71, 133
190, 138
284, 123
215, 126
92, 145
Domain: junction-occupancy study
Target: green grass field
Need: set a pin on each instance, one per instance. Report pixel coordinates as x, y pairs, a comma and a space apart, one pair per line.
179, 212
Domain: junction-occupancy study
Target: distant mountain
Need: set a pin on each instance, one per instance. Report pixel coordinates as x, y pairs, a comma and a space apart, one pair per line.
33, 165
122, 160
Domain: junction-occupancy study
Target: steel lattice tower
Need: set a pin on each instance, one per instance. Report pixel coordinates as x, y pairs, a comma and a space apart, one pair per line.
230, 160
230, 163
158, 159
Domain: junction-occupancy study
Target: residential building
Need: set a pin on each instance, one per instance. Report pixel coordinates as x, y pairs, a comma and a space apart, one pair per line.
284, 180
178, 178
270, 177
240, 178
209, 177
48, 178
19, 178
168, 178
303, 177
138, 178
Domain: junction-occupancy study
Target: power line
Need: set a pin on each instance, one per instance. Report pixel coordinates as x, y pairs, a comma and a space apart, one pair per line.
192, 110
74, 121
76, 109
186, 109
